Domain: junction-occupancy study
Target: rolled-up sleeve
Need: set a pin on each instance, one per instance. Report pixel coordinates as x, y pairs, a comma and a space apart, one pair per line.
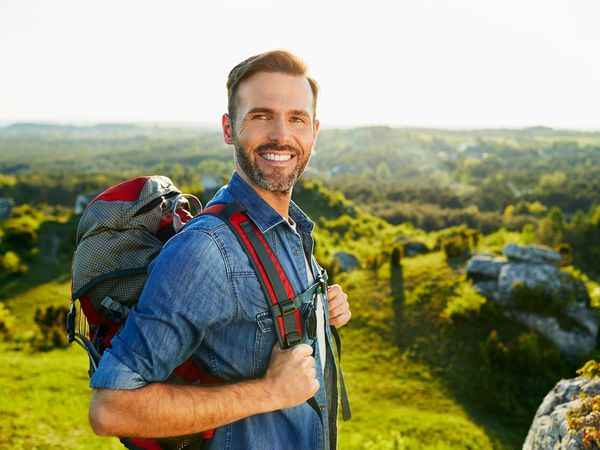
187, 294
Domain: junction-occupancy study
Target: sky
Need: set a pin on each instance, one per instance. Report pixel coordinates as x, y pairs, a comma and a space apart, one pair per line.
425, 63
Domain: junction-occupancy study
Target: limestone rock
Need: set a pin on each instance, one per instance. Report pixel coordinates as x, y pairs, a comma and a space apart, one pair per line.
346, 261
485, 266
533, 254
413, 248
566, 319
572, 342
549, 430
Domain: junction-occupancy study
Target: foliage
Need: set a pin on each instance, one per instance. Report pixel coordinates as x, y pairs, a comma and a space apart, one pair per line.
537, 299
458, 242
20, 233
464, 302
10, 264
585, 419
590, 369
51, 320
6, 322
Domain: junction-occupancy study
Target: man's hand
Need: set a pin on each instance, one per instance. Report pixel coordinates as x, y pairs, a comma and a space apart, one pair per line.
339, 308
291, 377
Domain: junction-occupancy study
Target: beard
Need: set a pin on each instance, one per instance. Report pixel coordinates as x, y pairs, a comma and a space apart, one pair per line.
277, 180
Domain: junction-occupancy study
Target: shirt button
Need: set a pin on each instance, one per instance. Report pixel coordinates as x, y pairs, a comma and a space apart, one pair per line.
296, 251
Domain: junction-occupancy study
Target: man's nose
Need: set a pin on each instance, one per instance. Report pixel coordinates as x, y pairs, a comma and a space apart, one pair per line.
279, 132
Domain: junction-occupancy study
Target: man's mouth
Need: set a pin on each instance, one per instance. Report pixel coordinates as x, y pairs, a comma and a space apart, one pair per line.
276, 157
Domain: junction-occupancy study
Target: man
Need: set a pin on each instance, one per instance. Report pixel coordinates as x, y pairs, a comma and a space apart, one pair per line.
203, 298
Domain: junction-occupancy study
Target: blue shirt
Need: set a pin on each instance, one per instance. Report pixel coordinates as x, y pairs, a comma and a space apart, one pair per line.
203, 299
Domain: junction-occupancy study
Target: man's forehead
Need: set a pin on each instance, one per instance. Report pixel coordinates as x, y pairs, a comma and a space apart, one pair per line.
268, 90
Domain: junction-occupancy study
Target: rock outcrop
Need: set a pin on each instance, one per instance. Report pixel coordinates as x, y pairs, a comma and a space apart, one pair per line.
346, 261
549, 430
531, 288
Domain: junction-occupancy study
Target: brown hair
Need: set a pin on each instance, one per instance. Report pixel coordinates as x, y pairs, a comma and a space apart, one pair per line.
275, 61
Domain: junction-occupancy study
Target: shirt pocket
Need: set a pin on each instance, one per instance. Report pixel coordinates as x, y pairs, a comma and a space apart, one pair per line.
263, 343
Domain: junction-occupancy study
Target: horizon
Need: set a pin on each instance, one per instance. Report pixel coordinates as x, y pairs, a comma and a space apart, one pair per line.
217, 128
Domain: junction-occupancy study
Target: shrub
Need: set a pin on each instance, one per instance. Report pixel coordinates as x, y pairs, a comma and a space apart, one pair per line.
466, 301
10, 264
457, 242
6, 322
51, 320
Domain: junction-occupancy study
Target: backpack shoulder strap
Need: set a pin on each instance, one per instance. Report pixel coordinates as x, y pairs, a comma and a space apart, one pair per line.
271, 276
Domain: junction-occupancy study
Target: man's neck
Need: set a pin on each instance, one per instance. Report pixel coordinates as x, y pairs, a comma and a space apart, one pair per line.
279, 201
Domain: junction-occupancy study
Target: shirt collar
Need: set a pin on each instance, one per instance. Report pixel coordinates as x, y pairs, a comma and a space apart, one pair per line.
261, 213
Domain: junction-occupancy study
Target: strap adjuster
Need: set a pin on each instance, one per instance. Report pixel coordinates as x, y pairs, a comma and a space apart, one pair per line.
284, 307
292, 338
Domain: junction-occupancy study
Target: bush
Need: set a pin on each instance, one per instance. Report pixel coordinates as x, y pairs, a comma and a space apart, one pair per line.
466, 301
6, 322
51, 321
458, 242
10, 264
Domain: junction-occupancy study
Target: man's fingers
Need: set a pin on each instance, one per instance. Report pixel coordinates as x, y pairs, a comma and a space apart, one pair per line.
340, 320
334, 290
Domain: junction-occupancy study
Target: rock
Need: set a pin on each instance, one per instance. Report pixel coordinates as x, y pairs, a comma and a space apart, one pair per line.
549, 429
413, 248
532, 254
555, 303
531, 275
572, 342
346, 261
485, 266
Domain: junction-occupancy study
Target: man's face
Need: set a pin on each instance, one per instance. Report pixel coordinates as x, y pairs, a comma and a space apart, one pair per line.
274, 131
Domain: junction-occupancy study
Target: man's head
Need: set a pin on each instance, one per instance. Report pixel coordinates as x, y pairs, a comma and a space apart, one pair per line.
276, 61
271, 120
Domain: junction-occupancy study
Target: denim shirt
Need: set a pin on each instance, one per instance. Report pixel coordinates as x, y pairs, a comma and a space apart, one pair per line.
203, 299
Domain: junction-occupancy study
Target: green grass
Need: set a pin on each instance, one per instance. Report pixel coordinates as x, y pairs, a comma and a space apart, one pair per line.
44, 400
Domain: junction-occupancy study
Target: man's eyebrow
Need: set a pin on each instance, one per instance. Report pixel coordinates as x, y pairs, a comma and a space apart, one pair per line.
263, 109
299, 112
260, 109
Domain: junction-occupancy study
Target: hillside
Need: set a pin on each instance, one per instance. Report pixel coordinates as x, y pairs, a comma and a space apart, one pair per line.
430, 364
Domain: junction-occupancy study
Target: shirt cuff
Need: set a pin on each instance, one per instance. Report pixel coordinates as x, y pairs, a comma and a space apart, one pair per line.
113, 374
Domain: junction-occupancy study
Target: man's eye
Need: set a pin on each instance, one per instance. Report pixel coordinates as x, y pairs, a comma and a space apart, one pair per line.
298, 119
259, 116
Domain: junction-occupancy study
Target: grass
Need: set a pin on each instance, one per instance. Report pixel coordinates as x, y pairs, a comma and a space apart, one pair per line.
412, 373
44, 399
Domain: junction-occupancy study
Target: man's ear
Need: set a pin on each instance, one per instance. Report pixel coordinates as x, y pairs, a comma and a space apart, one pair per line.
227, 129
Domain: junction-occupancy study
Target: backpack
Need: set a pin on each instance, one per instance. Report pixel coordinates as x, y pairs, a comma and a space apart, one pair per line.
120, 232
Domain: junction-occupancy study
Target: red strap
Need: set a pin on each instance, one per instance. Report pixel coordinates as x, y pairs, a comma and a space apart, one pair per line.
236, 220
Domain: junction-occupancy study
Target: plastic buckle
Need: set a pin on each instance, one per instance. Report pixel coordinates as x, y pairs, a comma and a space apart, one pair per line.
71, 323
292, 338
287, 306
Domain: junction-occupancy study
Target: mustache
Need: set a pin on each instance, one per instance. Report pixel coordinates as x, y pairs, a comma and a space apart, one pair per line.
277, 148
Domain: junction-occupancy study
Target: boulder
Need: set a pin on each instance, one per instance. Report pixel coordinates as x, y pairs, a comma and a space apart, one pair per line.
413, 248
575, 341
346, 261
531, 275
557, 305
549, 430
532, 254
484, 266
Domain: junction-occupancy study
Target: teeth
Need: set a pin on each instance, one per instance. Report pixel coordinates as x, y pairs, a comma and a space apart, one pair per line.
274, 157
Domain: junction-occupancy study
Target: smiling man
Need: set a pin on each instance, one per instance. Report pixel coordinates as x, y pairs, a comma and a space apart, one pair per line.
204, 299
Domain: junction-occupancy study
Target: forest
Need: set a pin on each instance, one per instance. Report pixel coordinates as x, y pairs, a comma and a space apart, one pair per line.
455, 372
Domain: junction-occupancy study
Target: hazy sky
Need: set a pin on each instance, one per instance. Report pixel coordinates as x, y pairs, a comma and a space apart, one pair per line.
452, 63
